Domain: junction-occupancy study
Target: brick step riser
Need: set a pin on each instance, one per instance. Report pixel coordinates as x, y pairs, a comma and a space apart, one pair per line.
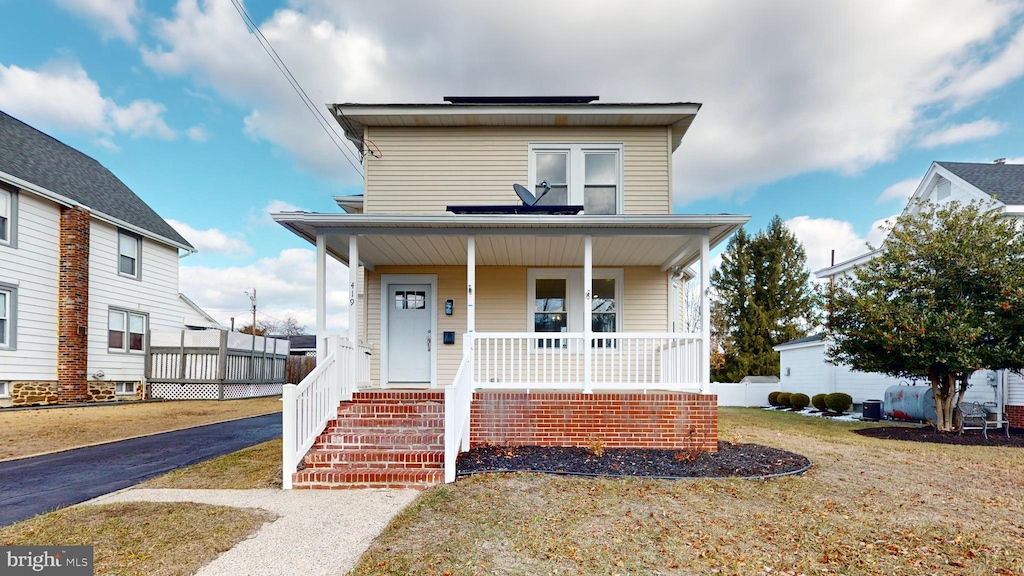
382, 397
375, 465
396, 440
378, 447
367, 458
375, 411
366, 476
419, 423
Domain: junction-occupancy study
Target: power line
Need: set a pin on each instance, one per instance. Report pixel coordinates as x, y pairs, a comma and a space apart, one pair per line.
324, 123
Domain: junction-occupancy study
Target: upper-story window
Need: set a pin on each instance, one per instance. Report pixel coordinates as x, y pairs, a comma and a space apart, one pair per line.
8, 306
579, 174
8, 213
129, 254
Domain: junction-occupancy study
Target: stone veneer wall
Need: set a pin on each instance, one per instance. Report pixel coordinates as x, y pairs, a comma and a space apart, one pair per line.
73, 305
42, 392
675, 421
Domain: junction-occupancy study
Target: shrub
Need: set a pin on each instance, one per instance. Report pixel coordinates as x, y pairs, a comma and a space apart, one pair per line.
838, 402
799, 401
818, 401
773, 398
783, 398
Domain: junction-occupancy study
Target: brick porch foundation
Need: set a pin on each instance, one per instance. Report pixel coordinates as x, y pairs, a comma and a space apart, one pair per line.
665, 420
1015, 415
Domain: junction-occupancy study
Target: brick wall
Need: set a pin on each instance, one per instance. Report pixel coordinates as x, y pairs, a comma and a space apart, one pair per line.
73, 305
1015, 414
669, 420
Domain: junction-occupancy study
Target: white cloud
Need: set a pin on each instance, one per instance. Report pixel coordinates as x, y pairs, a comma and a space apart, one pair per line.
262, 216
212, 240
976, 130
1019, 160
772, 107
112, 18
285, 286
61, 96
197, 134
901, 191
820, 236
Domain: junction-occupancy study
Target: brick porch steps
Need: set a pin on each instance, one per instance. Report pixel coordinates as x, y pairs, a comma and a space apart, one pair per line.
386, 439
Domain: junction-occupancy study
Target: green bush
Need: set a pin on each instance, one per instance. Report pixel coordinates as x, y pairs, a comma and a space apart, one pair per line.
799, 401
773, 398
783, 398
818, 401
838, 402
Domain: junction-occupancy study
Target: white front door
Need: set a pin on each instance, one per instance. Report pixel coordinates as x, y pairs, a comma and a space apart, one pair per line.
409, 337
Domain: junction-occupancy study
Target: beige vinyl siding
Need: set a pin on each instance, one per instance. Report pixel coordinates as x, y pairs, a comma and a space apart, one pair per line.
646, 305
156, 295
423, 170
501, 306
32, 268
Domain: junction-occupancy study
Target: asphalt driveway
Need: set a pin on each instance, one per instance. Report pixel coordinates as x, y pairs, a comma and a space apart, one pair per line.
44, 483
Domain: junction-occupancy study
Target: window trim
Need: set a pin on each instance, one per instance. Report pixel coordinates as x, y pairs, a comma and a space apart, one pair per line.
577, 158
138, 254
126, 349
574, 294
12, 316
11, 195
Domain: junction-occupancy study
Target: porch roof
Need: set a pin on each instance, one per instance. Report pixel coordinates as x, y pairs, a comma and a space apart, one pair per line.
515, 240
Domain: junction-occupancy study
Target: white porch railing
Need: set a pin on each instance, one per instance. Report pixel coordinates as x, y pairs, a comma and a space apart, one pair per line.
310, 404
458, 400
610, 361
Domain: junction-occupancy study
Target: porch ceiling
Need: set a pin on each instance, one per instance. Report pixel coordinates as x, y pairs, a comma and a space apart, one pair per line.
517, 240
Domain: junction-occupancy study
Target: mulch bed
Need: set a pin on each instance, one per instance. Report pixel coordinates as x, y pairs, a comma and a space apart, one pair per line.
731, 460
929, 434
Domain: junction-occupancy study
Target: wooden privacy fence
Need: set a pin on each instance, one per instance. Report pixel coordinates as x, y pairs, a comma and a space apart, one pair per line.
214, 365
298, 367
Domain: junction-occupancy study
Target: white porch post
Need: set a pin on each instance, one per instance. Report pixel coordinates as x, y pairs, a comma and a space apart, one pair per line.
705, 314
353, 296
321, 298
588, 286
470, 283
353, 310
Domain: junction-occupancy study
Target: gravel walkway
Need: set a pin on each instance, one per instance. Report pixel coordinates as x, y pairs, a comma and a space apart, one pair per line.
318, 532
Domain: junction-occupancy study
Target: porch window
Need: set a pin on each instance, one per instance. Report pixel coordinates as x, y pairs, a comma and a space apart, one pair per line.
579, 174
550, 313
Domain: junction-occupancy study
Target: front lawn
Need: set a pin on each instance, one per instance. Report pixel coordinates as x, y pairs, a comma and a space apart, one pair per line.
868, 507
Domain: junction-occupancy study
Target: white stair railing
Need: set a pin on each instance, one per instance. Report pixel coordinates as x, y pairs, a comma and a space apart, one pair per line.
308, 406
458, 402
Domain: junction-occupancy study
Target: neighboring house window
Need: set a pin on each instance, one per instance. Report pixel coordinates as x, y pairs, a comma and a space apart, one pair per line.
124, 388
8, 316
129, 248
579, 174
8, 215
557, 302
126, 331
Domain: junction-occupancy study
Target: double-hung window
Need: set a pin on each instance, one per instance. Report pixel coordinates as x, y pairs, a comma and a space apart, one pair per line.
8, 213
578, 174
557, 302
126, 331
8, 329
129, 249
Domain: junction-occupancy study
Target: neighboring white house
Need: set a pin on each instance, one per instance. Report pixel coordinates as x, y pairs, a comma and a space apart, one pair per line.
86, 270
802, 362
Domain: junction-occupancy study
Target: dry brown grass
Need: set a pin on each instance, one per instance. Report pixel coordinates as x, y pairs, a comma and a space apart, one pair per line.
142, 538
251, 468
868, 507
28, 432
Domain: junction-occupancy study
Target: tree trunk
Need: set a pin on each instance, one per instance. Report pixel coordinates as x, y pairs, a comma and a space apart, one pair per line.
942, 393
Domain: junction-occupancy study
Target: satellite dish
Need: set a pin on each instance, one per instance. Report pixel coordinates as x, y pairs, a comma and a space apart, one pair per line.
525, 195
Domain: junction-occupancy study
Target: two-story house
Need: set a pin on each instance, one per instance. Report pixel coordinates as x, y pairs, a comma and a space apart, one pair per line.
803, 365
86, 269
554, 307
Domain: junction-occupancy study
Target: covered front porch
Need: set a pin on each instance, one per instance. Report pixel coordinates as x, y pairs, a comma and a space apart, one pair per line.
520, 304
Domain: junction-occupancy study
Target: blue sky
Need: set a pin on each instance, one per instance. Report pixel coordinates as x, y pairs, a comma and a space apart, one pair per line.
827, 114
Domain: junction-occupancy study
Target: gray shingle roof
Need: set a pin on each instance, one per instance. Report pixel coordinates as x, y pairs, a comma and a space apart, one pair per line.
30, 155
1004, 181
811, 338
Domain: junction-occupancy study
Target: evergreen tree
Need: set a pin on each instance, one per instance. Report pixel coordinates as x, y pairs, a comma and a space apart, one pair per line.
763, 297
